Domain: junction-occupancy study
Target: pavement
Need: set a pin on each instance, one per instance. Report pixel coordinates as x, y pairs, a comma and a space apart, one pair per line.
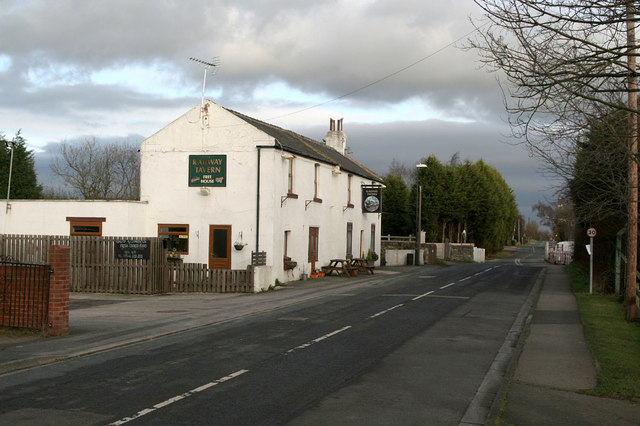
553, 366
537, 377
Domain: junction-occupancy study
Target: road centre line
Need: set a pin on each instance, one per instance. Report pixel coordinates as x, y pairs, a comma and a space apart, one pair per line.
397, 295
445, 286
319, 339
178, 398
423, 295
464, 279
444, 296
427, 276
386, 310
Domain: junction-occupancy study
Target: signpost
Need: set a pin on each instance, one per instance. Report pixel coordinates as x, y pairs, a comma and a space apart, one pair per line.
591, 233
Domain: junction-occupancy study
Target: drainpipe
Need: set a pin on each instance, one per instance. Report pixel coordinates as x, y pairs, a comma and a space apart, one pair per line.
258, 204
259, 147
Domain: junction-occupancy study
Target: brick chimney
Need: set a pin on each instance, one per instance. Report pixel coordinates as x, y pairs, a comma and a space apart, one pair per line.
336, 139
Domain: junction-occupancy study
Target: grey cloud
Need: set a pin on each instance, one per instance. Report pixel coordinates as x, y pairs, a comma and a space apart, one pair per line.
332, 47
376, 145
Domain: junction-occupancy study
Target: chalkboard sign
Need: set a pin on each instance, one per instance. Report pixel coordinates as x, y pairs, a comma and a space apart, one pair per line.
132, 249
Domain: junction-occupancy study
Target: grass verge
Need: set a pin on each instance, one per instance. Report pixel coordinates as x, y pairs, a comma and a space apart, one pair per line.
612, 340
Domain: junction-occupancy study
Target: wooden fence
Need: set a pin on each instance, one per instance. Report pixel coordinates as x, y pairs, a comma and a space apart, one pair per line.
95, 268
196, 277
30, 248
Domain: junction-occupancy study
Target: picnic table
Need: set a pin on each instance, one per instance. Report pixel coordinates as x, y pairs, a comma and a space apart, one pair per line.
361, 264
339, 266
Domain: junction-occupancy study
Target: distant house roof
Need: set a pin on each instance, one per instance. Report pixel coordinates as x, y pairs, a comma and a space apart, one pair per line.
304, 146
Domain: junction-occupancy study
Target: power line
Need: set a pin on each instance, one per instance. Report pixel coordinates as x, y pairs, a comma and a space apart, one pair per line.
381, 79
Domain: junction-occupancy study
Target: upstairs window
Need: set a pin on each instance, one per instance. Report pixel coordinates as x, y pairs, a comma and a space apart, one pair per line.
349, 180
316, 171
176, 238
290, 176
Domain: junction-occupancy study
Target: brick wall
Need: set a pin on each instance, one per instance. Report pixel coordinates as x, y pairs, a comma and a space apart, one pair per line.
60, 260
33, 298
23, 296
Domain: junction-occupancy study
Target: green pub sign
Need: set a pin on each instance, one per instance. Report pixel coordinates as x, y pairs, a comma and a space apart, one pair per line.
207, 170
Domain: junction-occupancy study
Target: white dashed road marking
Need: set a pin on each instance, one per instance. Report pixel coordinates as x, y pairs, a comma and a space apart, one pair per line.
178, 398
319, 339
386, 310
423, 295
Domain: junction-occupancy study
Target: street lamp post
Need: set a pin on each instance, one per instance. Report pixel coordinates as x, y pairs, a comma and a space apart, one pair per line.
11, 146
418, 215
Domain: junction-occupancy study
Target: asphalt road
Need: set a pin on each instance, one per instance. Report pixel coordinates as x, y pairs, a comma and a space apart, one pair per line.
402, 348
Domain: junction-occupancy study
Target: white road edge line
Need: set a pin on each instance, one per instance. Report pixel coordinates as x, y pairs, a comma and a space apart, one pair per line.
423, 295
386, 310
445, 286
319, 339
178, 398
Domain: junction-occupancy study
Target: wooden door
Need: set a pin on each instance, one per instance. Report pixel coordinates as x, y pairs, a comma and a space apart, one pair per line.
313, 245
219, 246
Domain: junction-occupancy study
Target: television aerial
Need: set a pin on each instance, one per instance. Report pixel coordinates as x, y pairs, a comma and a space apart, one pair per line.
208, 66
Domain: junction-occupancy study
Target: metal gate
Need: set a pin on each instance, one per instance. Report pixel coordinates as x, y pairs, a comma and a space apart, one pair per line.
24, 294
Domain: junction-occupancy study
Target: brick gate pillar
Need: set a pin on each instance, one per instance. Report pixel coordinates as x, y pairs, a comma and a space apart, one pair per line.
60, 260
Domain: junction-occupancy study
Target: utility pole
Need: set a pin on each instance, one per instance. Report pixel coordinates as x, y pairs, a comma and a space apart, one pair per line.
632, 196
11, 145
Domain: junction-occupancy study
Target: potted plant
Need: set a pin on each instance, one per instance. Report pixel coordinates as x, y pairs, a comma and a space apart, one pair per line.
372, 256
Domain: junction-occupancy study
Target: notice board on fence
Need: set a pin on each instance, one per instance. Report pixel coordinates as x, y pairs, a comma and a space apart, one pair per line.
132, 249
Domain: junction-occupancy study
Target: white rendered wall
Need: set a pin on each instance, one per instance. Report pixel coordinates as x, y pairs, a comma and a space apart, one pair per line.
166, 198
164, 180
49, 217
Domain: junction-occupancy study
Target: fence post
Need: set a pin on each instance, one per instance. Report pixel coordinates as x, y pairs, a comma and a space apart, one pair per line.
60, 259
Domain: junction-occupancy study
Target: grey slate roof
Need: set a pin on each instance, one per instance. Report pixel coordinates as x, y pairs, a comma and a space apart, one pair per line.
306, 147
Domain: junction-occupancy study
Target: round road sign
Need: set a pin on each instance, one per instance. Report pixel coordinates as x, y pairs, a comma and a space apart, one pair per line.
591, 232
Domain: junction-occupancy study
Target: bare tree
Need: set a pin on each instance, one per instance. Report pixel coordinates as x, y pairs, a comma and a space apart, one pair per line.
99, 172
567, 62
400, 169
558, 216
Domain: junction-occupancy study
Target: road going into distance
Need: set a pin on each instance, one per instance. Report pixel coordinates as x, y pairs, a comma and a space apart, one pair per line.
405, 346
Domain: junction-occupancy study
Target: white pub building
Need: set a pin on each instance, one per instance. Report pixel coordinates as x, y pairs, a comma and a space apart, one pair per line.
219, 186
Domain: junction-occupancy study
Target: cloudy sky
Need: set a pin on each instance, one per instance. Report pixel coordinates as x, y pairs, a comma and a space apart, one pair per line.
120, 70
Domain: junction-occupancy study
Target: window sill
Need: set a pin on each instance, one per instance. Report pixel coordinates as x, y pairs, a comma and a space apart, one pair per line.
286, 197
317, 200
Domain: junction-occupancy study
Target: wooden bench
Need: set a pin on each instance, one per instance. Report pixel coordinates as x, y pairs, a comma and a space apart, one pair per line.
361, 264
339, 266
